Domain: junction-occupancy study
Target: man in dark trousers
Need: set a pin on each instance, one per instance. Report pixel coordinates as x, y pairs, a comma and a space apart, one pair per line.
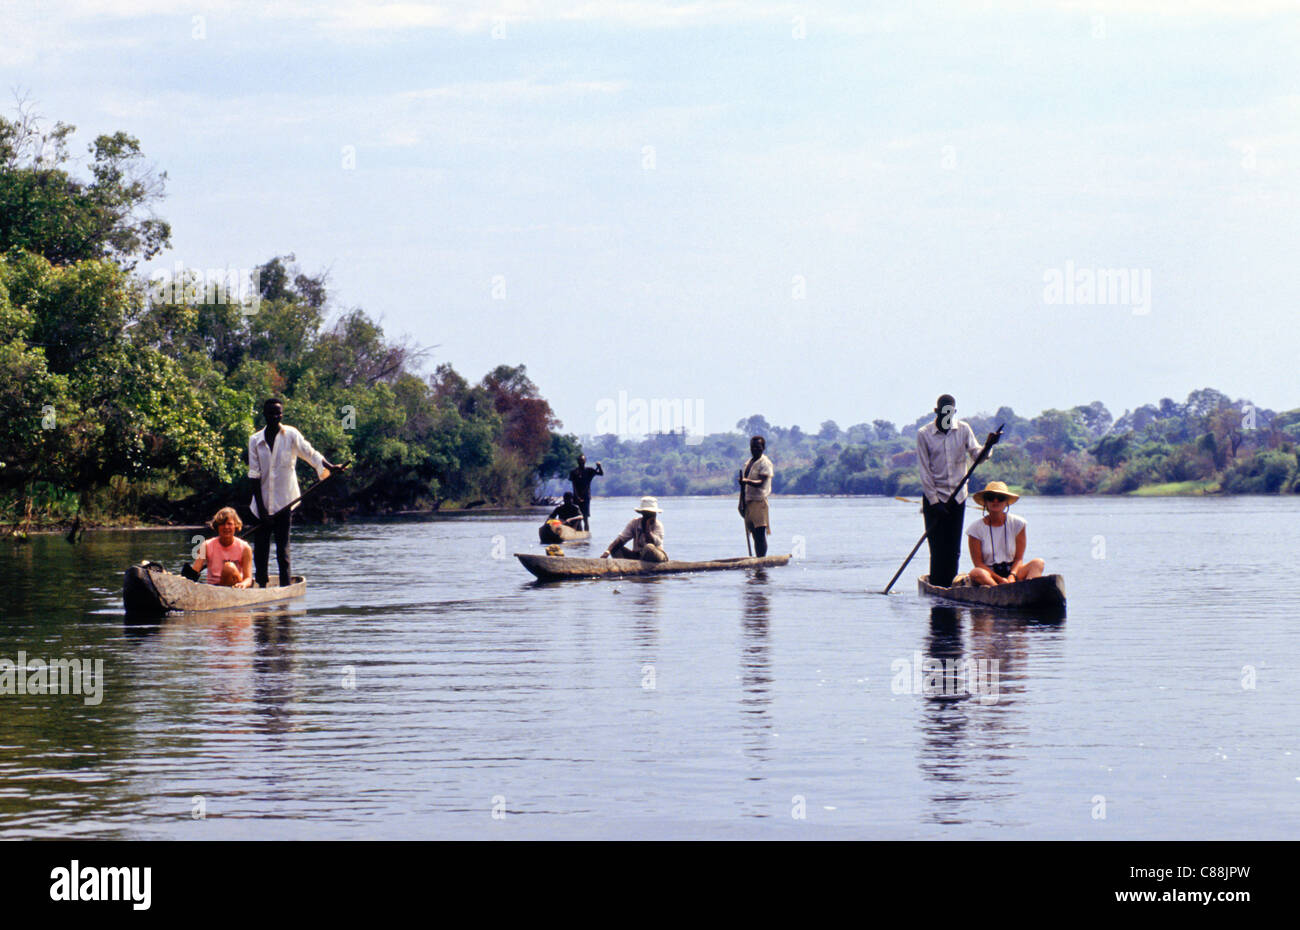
581, 478
943, 449
273, 454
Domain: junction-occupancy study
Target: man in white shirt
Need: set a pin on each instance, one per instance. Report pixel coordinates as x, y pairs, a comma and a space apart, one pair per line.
642, 538
943, 449
755, 486
273, 454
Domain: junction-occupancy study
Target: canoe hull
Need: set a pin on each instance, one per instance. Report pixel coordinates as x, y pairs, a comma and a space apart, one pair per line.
150, 590
1044, 593
550, 534
561, 568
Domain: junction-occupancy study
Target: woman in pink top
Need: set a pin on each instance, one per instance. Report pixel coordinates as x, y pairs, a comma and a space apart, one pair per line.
228, 558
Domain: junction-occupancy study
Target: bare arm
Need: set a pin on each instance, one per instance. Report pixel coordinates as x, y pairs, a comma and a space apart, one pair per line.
622, 537
1021, 540
977, 553
246, 567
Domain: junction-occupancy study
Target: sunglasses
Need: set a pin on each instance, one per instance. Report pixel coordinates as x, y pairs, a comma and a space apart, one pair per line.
994, 498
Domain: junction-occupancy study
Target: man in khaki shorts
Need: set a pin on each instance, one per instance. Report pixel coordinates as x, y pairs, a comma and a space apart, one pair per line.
756, 485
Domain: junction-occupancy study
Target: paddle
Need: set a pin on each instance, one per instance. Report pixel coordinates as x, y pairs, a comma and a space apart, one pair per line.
749, 546
984, 453
297, 500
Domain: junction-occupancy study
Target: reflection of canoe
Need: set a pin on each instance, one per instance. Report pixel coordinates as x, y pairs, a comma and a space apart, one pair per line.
148, 589
1044, 593
558, 533
557, 568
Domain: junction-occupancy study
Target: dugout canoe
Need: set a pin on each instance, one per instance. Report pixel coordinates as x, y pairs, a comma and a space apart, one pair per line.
560, 568
561, 534
148, 589
1046, 593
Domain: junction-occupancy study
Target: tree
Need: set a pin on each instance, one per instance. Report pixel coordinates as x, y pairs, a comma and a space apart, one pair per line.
44, 209
829, 431
755, 425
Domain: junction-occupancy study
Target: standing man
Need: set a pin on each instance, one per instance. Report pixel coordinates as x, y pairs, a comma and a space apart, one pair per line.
581, 478
755, 486
942, 450
273, 454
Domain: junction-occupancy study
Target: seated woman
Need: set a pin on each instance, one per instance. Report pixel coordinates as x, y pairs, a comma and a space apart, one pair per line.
997, 540
229, 559
642, 538
568, 513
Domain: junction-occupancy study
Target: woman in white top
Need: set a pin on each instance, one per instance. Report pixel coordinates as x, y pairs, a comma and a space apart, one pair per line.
997, 540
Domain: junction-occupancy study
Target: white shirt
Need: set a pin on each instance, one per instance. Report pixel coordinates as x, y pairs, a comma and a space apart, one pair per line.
941, 458
639, 537
761, 469
275, 465
997, 543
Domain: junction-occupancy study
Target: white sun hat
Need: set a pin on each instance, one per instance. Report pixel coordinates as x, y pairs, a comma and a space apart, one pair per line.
649, 505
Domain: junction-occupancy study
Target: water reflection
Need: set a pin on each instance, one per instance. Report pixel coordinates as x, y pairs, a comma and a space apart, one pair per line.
756, 669
972, 685
245, 656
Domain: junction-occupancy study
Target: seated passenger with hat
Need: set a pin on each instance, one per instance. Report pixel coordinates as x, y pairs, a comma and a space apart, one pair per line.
642, 538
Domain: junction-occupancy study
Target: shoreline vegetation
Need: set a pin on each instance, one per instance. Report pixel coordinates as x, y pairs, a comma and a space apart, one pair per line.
128, 400
1208, 444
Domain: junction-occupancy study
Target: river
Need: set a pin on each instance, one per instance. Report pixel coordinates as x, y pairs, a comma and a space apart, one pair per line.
428, 688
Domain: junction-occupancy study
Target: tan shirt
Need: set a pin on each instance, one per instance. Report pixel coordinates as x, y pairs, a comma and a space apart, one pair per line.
639, 537
760, 469
942, 459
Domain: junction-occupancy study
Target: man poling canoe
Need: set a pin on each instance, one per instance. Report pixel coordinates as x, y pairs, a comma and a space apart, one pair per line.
755, 486
989, 443
942, 450
273, 454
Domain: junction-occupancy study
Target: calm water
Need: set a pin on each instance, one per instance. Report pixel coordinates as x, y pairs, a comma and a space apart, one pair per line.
716, 705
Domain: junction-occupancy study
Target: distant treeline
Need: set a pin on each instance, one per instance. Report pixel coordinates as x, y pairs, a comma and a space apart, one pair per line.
1210, 443
123, 399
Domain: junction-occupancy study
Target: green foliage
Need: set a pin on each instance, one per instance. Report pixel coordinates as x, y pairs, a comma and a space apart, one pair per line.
1266, 472
45, 210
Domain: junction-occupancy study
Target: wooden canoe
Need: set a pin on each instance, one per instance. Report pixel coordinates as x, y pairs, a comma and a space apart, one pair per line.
147, 588
1043, 593
559, 568
561, 534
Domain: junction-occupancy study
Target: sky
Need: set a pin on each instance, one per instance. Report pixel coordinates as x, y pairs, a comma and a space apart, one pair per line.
809, 211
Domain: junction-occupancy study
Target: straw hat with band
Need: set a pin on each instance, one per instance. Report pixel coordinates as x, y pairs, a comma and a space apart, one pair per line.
995, 487
649, 505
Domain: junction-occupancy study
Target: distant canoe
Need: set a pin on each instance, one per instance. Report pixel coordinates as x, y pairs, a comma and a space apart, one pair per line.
561, 534
1044, 593
147, 588
559, 568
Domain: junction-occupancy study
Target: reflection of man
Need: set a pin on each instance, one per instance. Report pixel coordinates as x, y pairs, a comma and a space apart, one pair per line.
581, 478
273, 454
756, 484
942, 448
